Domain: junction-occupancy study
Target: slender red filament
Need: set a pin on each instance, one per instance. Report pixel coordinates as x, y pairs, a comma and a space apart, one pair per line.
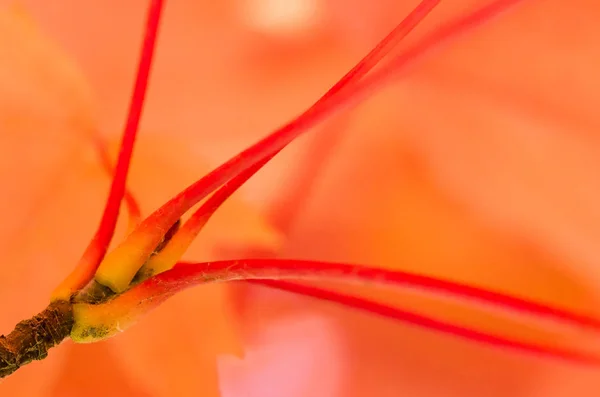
117, 190
430, 323
185, 275
352, 92
111, 212
268, 147
97, 248
203, 214
318, 270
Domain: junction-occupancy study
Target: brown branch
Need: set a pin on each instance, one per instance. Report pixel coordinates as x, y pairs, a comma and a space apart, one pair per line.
31, 339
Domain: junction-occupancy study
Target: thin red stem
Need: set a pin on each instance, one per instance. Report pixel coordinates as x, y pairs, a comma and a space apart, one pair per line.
97, 248
349, 83
111, 211
431, 323
330, 102
268, 147
274, 269
203, 214
185, 275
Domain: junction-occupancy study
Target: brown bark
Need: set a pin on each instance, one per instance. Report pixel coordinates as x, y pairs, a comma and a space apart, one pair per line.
31, 339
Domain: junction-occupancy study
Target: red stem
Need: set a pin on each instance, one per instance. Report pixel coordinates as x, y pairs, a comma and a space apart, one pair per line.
432, 324
185, 275
111, 211
273, 269
203, 214
97, 248
353, 91
268, 147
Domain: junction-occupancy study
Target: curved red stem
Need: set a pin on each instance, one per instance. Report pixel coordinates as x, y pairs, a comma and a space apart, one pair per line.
430, 323
155, 290
347, 91
274, 269
268, 147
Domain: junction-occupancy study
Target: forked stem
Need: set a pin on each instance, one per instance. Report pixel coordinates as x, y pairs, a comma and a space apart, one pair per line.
112, 272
